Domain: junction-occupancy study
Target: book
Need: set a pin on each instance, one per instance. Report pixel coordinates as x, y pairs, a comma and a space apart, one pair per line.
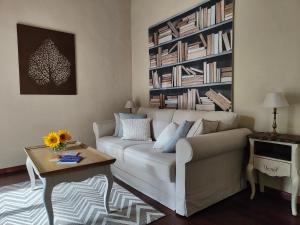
222, 10
69, 159
203, 40
54, 158
69, 153
226, 41
219, 99
220, 42
212, 15
175, 32
218, 12
205, 107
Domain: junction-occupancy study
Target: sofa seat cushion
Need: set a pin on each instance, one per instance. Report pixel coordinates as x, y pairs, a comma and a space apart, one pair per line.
146, 159
115, 146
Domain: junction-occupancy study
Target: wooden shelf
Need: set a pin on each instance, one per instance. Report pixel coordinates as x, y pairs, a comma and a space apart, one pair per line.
192, 60
189, 87
219, 25
212, 67
179, 14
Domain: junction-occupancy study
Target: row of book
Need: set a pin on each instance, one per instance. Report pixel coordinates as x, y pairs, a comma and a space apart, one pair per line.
192, 100
212, 74
192, 77
219, 42
202, 18
184, 76
217, 13
214, 43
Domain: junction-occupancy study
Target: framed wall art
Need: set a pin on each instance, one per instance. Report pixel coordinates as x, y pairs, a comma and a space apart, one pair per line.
46, 61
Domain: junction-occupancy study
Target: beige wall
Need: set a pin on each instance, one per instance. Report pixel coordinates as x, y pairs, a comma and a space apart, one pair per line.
266, 55
103, 61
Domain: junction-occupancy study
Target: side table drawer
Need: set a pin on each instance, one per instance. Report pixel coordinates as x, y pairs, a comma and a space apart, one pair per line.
272, 167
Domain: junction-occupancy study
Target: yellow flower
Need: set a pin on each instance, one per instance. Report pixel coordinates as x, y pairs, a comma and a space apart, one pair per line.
52, 140
64, 135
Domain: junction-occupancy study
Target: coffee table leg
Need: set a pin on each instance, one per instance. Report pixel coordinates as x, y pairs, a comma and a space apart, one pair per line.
48, 187
30, 173
109, 184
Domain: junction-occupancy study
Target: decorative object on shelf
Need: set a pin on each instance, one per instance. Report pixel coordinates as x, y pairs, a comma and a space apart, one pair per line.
130, 105
46, 61
275, 100
276, 156
193, 50
57, 141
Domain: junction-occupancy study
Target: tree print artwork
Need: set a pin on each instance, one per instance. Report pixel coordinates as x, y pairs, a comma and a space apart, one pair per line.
48, 64
46, 61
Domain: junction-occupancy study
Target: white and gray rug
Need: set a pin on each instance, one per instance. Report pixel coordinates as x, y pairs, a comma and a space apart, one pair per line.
74, 204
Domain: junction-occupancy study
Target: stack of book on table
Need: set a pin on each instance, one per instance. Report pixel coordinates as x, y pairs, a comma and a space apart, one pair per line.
67, 157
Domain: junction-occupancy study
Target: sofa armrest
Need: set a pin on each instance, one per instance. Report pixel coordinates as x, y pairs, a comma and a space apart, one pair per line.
210, 145
104, 128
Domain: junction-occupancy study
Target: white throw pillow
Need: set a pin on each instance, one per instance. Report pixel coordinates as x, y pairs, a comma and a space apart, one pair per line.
136, 129
117, 119
165, 136
202, 126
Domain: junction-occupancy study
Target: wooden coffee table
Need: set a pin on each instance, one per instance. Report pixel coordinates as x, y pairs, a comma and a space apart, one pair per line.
51, 173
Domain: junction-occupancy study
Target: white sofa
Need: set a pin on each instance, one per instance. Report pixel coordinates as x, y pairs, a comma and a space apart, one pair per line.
204, 170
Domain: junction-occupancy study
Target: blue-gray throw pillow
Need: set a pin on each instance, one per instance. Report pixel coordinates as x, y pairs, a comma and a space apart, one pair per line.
124, 116
181, 132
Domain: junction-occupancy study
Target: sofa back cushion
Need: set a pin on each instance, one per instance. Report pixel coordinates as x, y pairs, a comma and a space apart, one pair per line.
160, 119
189, 115
163, 117
227, 120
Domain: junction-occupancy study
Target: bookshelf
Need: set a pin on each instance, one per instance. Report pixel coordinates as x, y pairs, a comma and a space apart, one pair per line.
191, 58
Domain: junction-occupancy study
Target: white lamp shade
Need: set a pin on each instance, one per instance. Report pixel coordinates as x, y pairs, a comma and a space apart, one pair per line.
275, 100
130, 104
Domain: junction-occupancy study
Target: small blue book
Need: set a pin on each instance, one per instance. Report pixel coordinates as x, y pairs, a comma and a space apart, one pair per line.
70, 159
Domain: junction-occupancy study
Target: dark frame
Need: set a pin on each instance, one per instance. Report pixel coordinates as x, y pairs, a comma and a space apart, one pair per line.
46, 61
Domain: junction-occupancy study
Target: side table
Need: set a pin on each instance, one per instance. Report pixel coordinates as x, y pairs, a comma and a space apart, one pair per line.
276, 156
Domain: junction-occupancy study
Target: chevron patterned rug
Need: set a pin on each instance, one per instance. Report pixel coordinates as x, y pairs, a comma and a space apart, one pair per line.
74, 204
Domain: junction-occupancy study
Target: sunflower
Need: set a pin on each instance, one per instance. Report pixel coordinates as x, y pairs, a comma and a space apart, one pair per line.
52, 140
64, 135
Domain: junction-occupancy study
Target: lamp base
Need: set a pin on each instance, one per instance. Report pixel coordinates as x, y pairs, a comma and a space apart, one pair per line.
274, 125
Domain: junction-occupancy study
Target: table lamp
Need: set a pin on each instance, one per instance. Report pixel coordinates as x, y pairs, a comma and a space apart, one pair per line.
130, 105
275, 100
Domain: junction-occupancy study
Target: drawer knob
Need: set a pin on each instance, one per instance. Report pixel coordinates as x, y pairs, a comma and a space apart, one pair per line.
271, 169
